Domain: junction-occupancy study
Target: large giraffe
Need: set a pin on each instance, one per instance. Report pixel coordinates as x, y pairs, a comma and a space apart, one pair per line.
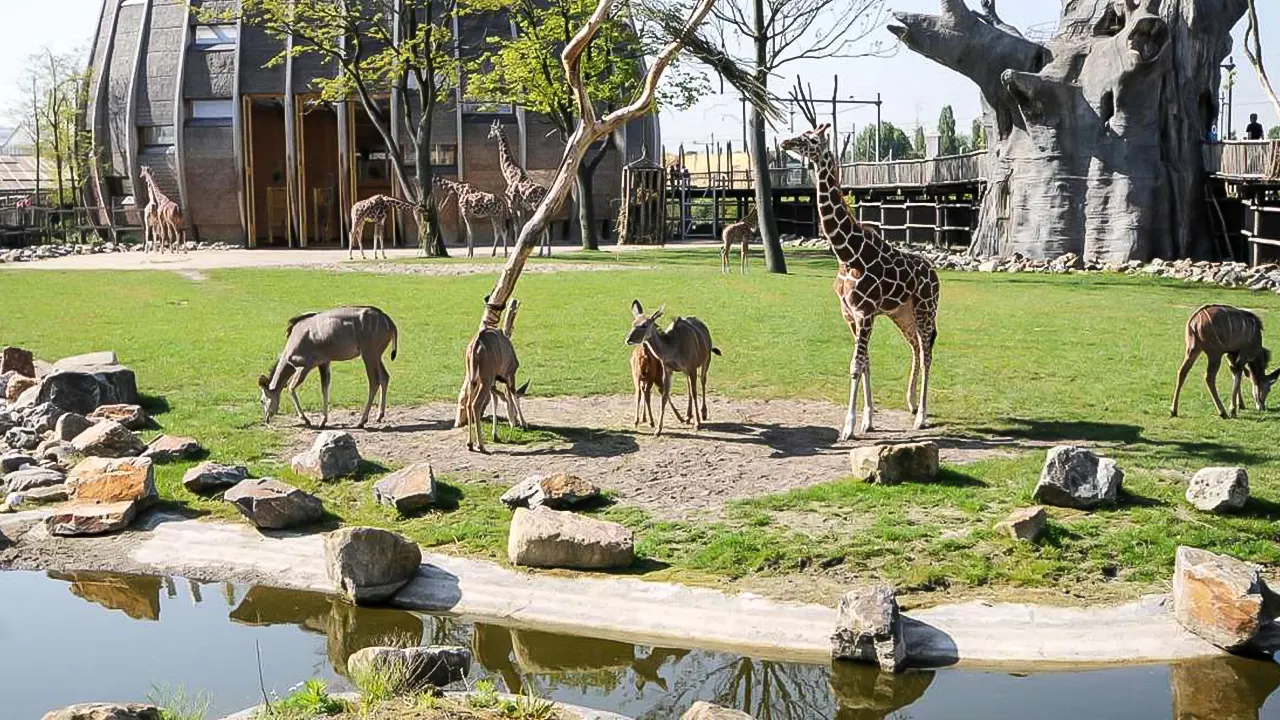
476, 204
875, 278
375, 209
162, 218
523, 194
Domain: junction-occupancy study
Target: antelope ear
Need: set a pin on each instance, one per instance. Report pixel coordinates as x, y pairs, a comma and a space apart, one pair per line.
263, 382
636, 308
658, 313
1274, 376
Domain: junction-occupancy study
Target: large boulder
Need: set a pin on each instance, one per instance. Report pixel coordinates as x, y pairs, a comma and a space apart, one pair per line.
47, 494
108, 438
890, 464
17, 360
369, 565
107, 480
407, 490
88, 518
869, 628
106, 711
1219, 489
1024, 524
31, 478
1224, 601
274, 505
130, 416
558, 492
436, 665
548, 538
70, 425
1076, 478
333, 455
173, 447
213, 476
703, 710
19, 384
84, 382
12, 461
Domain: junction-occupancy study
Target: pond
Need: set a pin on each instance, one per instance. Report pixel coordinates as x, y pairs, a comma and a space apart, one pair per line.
78, 637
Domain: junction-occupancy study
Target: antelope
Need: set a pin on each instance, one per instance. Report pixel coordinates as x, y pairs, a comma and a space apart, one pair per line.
316, 339
491, 359
1218, 330
646, 371
684, 347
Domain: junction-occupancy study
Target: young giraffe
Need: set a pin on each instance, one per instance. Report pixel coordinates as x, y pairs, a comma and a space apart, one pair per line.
739, 232
476, 204
375, 209
875, 278
162, 217
523, 194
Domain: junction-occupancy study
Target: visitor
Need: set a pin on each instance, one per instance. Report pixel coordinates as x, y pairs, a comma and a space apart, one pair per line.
1213, 134
1253, 131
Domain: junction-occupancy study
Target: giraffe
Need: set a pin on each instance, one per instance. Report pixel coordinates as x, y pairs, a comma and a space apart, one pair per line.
523, 194
476, 204
739, 232
162, 218
375, 209
875, 278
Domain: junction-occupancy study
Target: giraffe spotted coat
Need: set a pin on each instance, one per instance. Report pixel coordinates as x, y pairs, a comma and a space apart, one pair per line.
476, 204
523, 194
375, 209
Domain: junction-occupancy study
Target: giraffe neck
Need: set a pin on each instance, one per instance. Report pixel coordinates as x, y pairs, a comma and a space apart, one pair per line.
511, 170
838, 227
153, 193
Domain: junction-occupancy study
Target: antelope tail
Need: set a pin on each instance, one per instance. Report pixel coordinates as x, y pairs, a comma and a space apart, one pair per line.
395, 339
716, 350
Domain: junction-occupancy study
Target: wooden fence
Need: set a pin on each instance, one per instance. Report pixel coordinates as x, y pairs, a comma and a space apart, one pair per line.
1243, 159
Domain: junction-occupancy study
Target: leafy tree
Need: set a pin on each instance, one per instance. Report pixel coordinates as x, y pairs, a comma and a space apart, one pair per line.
918, 142
1274, 133
377, 46
948, 143
54, 87
978, 135
526, 70
894, 143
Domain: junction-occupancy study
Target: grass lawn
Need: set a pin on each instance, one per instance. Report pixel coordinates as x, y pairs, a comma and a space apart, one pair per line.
1046, 358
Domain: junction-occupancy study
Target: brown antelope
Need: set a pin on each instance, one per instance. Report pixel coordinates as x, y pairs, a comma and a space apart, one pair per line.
646, 371
1218, 330
684, 347
491, 359
317, 339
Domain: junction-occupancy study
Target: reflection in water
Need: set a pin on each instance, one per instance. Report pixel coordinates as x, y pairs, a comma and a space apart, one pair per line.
660, 683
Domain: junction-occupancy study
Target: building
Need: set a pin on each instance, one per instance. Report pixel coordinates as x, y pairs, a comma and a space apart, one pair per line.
251, 153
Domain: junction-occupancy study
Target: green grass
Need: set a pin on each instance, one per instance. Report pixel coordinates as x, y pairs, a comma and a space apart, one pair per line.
1038, 358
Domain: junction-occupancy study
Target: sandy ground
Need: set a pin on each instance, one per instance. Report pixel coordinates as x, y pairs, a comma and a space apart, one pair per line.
747, 449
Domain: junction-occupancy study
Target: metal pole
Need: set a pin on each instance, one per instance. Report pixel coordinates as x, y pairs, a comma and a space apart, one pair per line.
835, 132
879, 125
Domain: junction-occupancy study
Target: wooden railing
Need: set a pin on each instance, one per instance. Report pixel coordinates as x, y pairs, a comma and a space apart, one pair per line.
947, 170
1243, 159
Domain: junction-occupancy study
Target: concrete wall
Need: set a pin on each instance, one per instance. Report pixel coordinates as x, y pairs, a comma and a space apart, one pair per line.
213, 181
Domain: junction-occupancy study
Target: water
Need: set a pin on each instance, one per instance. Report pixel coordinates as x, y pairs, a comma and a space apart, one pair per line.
92, 636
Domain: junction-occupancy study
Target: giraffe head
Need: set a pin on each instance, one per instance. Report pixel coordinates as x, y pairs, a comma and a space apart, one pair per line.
145, 172
643, 324
495, 130
809, 145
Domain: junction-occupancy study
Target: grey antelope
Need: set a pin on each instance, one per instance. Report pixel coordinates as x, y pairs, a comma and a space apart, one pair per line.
490, 360
684, 347
1218, 330
317, 339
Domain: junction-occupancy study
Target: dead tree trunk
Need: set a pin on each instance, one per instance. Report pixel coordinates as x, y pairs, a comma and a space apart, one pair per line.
1095, 136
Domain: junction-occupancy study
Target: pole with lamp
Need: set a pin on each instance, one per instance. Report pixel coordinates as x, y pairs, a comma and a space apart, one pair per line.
1230, 67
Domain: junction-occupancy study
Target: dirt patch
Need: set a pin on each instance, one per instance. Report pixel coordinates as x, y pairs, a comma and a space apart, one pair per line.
749, 448
458, 269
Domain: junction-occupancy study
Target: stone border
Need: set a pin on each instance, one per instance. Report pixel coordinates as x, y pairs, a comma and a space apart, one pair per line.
579, 713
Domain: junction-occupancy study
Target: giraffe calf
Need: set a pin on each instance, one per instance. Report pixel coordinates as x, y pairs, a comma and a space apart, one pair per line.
741, 233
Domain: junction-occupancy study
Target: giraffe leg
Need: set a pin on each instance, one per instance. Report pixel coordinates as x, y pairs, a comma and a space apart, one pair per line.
1183, 371
724, 257
906, 323
471, 250
1211, 381
862, 332
497, 235
927, 334
746, 247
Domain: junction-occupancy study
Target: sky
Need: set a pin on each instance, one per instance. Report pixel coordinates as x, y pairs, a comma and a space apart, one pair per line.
913, 88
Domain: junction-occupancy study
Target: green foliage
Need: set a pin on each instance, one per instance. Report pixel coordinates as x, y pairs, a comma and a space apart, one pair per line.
51, 93
978, 135
309, 700
948, 143
177, 704
528, 706
1274, 133
484, 695
379, 682
894, 143
918, 142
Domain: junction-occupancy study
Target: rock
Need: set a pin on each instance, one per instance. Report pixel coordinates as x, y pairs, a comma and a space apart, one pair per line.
48, 494
436, 665
558, 492
19, 384
85, 518
21, 438
105, 711
108, 480
271, 504
58, 453
1024, 524
43, 417
28, 398
369, 565
173, 447
1223, 600
13, 461
869, 628
890, 464
1219, 489
70, 425
93, 359
333, 455
130, 416
17, 360
555, 539
108, 439
703, 710
1076, 478
213, 476
412, 488
31, 478
85, 382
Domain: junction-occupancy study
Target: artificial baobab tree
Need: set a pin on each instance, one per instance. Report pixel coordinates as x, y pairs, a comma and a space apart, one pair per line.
1094, 137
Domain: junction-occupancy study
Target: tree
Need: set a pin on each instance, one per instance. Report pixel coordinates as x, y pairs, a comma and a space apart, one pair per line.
54, 87
523, 70
1274, 133
918, 143
779, 32
978, 135
894, 144
1098, 130
948, 143
1253, 50
377, 46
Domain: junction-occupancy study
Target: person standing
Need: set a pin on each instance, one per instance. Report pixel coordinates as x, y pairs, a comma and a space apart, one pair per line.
1253, 131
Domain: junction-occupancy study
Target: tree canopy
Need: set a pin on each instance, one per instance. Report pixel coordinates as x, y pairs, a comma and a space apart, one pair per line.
894, 143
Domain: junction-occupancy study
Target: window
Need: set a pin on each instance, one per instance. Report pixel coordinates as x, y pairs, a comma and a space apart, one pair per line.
210, 112
488, 108
444, 155
215, 37
157, 136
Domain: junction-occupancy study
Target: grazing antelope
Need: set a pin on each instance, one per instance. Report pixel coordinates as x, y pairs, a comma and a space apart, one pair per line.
317, 339
491, 359
1218, 330
646, 371
684, 347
